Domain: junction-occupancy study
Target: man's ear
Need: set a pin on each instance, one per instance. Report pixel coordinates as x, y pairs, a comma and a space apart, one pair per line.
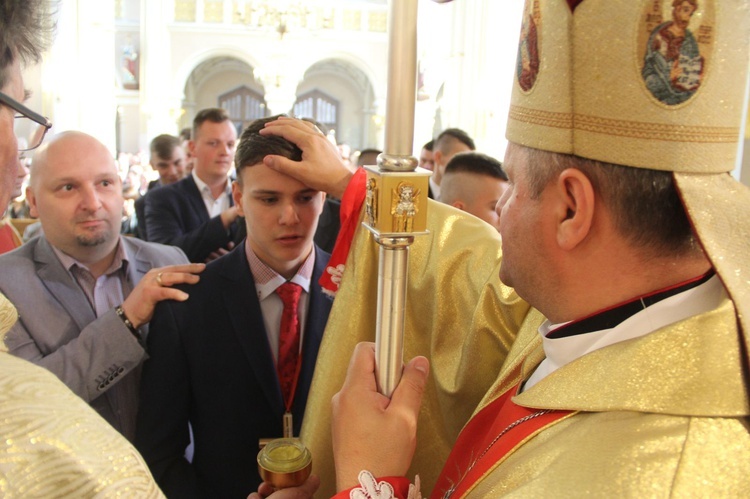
575, 208
437, 158
322, 202
459, 204
237, 197
31, 199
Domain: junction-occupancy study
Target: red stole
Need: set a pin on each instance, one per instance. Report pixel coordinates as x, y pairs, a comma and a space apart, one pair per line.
9, 239
351, 206
475, 449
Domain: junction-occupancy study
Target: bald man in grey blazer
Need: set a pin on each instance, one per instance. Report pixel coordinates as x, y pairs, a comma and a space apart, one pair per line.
85, 293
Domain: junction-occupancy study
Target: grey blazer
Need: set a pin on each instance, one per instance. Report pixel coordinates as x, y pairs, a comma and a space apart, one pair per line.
97, 358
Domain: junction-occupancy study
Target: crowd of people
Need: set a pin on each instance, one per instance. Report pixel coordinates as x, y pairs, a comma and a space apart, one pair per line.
578, 315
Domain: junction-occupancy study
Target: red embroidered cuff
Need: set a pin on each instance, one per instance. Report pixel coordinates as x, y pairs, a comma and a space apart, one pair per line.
396, 487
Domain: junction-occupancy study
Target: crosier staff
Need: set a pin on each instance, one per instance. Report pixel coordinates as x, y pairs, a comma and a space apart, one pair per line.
396, 203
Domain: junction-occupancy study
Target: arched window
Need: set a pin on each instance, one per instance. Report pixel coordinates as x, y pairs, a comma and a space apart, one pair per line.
320, 107
243, 106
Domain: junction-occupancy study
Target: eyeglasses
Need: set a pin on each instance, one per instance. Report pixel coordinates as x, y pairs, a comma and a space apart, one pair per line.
25, 120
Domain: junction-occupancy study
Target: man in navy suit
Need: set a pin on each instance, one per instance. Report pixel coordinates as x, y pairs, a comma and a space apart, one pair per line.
213, 359
197, 213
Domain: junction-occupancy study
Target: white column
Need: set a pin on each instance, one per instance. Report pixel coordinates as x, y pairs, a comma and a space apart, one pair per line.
80, 80
228, 12
159, 107
437, 55
200, 11
483, 53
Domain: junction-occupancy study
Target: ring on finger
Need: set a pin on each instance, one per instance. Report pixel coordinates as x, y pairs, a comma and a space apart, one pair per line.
158, 279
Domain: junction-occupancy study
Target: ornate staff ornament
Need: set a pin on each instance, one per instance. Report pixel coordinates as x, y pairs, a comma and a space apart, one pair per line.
396, 203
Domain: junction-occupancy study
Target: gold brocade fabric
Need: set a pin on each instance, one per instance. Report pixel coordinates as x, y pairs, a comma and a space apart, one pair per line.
595, 455
8, 317
662, 416
723, 227
453, 289
52, 444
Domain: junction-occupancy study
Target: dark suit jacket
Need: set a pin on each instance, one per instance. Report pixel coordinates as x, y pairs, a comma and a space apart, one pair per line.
96, 357
210, 364
140, 217
175, 214
329, 224
140, 211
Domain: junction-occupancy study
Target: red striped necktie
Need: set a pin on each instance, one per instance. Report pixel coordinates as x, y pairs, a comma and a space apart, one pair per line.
289, 339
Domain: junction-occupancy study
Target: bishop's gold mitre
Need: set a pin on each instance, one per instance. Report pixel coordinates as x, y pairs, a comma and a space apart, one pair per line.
658, 84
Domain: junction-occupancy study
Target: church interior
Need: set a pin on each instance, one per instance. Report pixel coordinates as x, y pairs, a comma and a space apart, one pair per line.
144, 68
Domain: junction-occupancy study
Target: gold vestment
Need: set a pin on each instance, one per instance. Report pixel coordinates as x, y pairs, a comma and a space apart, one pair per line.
53, 444
453, 288
663, 415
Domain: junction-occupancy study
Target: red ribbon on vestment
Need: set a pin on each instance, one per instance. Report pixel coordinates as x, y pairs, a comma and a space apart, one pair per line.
351, 206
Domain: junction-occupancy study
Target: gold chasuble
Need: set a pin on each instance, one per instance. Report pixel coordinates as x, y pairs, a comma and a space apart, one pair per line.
663, 415
458, 314
53, 444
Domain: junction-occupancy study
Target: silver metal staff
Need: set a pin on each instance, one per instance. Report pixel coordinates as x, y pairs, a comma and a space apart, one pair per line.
396, 204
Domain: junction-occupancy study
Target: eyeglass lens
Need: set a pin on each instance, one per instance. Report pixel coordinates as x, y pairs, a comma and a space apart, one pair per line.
28, 133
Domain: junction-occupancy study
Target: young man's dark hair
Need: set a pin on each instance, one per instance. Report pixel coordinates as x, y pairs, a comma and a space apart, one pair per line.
253, 146
476, 162
163, 145
454, 133
186, 133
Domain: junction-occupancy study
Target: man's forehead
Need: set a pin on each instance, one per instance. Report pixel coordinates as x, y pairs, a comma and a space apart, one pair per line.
277, 188
263, 178
75, 153
210, 129
175, 154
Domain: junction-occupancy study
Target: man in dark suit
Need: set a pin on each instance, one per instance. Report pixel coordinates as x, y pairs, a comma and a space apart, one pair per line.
197, 213
216, 360
84, 293
168, 159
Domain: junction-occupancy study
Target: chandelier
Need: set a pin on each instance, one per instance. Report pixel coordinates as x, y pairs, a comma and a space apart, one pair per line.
280, 15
